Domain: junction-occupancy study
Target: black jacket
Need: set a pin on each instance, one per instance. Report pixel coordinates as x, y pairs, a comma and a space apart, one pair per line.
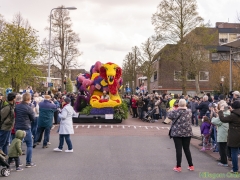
203, 108
234, 127
24, 116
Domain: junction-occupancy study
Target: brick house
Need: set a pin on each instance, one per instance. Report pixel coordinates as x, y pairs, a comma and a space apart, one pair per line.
164, 79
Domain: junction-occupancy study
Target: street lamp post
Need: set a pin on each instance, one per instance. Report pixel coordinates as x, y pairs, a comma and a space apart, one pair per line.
49, 51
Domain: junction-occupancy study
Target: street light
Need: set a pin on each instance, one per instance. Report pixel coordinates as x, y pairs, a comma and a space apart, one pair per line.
68, 8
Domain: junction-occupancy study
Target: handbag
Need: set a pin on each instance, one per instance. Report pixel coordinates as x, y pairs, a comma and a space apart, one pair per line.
169, 133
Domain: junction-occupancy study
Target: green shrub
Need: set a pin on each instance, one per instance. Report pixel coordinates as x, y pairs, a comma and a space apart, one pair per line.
86, 110
121, 111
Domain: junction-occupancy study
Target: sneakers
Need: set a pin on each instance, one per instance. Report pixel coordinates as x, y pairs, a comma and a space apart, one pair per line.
69, 150
48, 143
233, 172
177, 169
57, 150
21, 164
19, 169
45, 147
28, 165
221, 164
191, 168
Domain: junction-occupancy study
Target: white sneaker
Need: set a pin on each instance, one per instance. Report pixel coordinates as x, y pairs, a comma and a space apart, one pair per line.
57, 150
69, 150
48, 143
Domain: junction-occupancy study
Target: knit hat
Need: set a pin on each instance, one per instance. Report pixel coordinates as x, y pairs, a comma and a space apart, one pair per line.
67, 100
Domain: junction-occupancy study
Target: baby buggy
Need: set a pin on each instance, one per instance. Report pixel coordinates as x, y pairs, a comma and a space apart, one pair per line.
149, 116
5, 168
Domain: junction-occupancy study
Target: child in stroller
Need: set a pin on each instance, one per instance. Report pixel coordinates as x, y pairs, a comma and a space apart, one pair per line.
5, 171
149, 115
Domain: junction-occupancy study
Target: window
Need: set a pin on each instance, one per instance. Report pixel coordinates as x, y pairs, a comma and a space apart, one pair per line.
203, 76
223, 40
215, 56
155, 75
177, 75
190, 76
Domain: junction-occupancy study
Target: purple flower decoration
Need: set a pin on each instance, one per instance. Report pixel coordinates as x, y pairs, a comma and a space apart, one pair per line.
101, 111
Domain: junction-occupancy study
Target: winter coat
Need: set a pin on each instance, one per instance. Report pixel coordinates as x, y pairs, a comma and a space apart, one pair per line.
203, 108
24, 116
46, 112
192, 106
182, 127
222, 128
9, 121
66, 124
145, 106
134, 103
234, 127
15, 147
205, 128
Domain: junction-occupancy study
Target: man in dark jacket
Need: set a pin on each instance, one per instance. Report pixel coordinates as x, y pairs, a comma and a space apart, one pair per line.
24, 116
193, 104
203, 109
7, 122
233, 140
45, 119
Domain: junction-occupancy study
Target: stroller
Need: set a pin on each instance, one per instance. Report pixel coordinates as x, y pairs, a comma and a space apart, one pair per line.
5, 171
149, 116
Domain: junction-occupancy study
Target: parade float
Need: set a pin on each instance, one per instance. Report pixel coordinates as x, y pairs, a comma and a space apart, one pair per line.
90, 104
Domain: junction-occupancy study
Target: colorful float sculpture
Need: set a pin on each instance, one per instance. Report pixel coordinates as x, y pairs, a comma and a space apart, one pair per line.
102, 77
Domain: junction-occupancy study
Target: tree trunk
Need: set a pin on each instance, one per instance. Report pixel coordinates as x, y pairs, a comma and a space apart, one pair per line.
197, 84
184, 82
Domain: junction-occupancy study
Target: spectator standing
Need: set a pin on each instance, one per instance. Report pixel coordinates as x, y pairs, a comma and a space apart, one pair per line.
193, 105
233, 140
46, 112
181, 131
66, 125
7, 122
205, 131
24, 117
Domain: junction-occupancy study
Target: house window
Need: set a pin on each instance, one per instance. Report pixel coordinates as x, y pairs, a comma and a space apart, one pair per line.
223, 40
177, 75
203, 76
215, 56
155, 76
190, 76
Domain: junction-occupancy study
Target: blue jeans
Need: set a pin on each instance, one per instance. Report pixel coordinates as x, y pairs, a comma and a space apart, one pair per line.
164, 113
234, 154
34, 126
29, 143
195, 116
68, 141
46, 135
4, 140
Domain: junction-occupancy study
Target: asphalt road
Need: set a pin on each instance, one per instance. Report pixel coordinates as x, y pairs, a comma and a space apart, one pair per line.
116, 157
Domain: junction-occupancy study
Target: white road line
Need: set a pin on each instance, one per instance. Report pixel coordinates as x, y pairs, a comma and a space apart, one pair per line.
128, 126
82, 125
76, 126
88, 126
168, 128
100, 126
151, 127
105, 125
157, 128
94, 126
123, 127
111, 126
135, 127
162, 127
146, 127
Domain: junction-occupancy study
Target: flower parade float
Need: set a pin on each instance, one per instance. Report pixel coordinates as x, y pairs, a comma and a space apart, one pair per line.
90, 104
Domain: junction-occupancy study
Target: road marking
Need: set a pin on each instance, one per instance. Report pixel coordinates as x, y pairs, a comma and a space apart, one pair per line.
94, 126
123, 127
76, 126
111, 126
168, 128
157, 128
135, 127
100, 126
151, 127
105, 125
129, 126
162, 127
146, 127
82, 125
88, 126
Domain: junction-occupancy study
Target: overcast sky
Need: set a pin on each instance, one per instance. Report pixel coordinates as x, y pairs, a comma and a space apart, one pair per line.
109, 28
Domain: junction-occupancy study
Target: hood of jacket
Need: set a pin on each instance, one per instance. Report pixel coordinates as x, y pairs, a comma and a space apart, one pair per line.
20, 134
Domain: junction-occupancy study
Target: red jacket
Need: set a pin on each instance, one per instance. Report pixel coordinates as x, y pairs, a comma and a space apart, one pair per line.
134, 103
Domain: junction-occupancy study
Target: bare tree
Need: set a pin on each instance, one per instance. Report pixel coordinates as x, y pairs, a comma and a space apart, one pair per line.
64, 41
173, 20
148, 50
